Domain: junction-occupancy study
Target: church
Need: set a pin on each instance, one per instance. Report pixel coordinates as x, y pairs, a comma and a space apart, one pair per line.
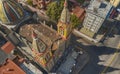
37, 41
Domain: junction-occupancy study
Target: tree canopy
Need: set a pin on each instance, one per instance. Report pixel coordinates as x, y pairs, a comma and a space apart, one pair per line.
74, 21
54, 10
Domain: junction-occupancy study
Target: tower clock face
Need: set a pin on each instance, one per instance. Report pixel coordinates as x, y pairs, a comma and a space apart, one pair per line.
61, 28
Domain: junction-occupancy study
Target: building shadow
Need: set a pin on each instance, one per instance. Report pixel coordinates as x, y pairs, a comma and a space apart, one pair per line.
109, 30
96, 64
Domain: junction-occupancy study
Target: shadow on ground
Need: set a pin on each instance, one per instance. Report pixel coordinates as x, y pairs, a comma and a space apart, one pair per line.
95, 51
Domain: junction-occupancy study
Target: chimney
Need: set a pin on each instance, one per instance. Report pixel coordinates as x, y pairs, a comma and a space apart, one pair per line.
34, 35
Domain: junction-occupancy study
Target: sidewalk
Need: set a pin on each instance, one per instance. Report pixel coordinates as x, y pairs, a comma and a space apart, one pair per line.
85, 36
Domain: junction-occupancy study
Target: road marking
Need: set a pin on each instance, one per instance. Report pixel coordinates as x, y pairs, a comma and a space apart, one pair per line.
111, 61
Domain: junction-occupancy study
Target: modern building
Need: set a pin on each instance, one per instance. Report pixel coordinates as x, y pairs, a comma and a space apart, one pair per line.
115, 3
97, 12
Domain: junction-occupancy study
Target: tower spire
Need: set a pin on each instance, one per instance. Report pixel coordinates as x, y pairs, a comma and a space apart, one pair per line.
34, 35
65, 15
65, 3
64, 26
35, 48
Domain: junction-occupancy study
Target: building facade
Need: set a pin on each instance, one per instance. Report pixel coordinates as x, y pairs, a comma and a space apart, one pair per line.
97, 12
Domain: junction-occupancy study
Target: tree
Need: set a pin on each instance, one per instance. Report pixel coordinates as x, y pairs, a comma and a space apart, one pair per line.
75, 21
54, 10
29, 2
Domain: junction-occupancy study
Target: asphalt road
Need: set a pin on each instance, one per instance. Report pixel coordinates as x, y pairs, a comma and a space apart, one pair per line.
115, 64
99, 57
113, 38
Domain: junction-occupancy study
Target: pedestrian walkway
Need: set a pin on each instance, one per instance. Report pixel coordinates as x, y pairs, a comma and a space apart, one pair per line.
85, 36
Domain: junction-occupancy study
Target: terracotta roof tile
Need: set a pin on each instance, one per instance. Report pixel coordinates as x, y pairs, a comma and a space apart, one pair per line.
8, 47
79, 12
11, 68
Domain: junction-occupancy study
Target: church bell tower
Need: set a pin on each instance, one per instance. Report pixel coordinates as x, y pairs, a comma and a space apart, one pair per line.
64, 27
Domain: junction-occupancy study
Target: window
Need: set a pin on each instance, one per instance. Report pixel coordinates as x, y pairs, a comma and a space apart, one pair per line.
103, 5
41, 46
47, 57
61, 30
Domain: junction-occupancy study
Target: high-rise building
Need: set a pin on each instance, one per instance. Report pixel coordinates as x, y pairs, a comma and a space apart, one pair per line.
97, 12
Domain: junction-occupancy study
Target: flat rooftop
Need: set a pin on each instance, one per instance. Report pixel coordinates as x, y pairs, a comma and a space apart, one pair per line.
99, 7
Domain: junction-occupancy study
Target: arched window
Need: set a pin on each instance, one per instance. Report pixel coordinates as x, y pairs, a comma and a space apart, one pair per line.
61, 29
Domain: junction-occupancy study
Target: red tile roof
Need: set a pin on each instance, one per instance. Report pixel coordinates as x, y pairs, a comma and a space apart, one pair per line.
8, 47
79, 12
11, 68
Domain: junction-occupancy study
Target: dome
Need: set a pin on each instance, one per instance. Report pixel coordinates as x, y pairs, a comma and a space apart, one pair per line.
11, 12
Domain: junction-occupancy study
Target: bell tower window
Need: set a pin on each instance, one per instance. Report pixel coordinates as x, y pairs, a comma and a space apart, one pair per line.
61, 30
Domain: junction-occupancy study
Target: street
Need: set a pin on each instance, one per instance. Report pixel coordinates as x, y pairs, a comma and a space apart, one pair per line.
113, 37
115, 64
100, 56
